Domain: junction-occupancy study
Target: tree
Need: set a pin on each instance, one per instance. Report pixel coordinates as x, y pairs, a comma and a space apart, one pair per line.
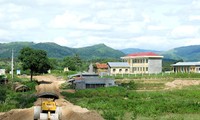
73, 63
34, 60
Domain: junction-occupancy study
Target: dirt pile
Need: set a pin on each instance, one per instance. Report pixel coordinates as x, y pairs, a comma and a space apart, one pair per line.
181, 83
18, 114
69, 111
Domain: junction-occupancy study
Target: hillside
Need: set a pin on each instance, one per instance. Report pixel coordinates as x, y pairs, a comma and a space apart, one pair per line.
101, 50
136, 50
57, 51
186, 53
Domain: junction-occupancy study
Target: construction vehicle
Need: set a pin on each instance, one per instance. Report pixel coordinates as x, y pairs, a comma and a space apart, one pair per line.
48, 109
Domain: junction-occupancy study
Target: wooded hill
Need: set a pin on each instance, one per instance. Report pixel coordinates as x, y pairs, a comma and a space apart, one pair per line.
99, 51
186, 53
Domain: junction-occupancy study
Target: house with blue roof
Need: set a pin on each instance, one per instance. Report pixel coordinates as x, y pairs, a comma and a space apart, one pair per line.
118, 68
186, 67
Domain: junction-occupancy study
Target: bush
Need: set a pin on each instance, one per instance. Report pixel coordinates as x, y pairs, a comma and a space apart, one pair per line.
130, 85
2, 93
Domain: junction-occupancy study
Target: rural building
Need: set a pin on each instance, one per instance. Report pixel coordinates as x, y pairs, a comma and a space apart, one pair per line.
85, 83
2, 71
86, 80
118, 68
186, 67
101, 68
80, 75
144, 62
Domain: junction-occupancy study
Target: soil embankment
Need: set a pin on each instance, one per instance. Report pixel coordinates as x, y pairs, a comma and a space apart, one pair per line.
181, 83
69, 111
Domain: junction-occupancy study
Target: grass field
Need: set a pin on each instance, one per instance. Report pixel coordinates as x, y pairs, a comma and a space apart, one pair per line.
9, 99
141, 100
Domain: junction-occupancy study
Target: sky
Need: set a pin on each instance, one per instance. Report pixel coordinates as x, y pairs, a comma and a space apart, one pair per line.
120, 24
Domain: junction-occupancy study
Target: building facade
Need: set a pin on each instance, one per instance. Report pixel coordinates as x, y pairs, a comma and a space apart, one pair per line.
87, 80
101, 68
118, 68
186, 67
145, 62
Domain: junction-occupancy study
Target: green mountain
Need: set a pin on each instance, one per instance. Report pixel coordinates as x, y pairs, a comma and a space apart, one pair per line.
186, 53
99, 51
57, 51
136, 50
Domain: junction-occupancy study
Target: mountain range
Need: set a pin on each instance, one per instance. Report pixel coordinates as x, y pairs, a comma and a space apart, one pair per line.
99, 51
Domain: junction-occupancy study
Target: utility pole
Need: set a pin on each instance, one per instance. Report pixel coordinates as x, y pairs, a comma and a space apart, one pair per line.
12, 65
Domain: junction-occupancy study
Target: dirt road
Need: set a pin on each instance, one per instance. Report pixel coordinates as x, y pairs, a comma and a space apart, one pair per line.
50, 83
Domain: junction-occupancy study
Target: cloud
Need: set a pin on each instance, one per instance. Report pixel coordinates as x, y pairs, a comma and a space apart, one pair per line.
75, 21
63, 2
3, 33
61, 41
194, 17
25, 24
65, 20
157, 24
194, 41
156, 27
184, 31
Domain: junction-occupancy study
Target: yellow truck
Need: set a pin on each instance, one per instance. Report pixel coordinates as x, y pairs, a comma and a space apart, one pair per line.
48, 109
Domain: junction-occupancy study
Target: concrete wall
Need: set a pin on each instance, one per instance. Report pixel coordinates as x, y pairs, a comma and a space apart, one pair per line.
155, 65
118, 70
80, 86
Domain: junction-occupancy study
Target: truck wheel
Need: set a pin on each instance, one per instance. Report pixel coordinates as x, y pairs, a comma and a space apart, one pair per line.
59, 112
37, 111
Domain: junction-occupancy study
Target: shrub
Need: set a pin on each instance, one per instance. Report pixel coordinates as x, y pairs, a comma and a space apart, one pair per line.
2, 93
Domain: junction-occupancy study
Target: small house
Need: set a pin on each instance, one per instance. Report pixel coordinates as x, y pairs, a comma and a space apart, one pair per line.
86, 83
101, 68
186, 67
118, 68
87, 80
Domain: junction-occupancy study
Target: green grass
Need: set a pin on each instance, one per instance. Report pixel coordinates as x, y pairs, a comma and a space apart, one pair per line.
60, 73
161, 76
120, 103
9, 99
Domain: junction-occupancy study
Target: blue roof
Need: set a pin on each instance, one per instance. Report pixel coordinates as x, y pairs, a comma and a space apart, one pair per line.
118, 64
186, 64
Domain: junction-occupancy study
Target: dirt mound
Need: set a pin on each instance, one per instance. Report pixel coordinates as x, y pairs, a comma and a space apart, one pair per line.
69, 111
71, 115
181, 83
18, 114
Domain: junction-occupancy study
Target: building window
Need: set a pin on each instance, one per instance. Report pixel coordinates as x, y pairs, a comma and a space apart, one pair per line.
120, 70
126, 70
114, 70
94, 85
146, 68
146, 60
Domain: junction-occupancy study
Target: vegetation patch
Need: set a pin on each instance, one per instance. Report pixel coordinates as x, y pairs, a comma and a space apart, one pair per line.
119, 102
9, 99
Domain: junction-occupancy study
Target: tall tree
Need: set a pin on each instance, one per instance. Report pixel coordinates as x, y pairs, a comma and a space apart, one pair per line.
34, 60
73, 63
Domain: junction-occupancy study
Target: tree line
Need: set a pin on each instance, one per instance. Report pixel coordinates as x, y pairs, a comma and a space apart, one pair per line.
34, 61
